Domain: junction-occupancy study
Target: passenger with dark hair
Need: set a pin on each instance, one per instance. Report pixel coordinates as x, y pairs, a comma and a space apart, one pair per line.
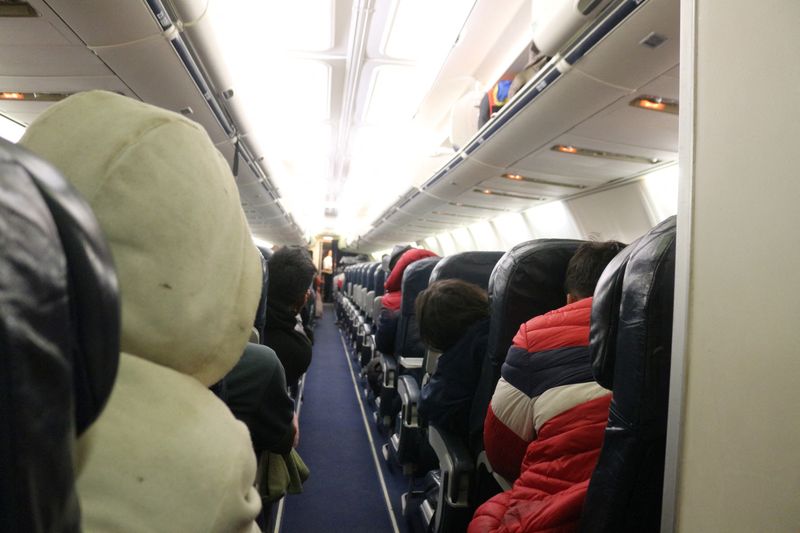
545, 424
290, 275
453, 318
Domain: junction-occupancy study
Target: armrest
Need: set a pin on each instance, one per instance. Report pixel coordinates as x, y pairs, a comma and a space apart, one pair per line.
410, 362
408, 389
389, 365
503, 482
456, 464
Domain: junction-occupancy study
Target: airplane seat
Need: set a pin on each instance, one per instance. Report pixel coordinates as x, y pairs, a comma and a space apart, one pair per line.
363, 326
408, 347
261, 313
631, 347
59, 336
527, 281
409, 443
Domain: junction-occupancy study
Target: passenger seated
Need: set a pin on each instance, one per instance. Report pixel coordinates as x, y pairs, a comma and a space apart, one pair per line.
546, 420
290, 275
255, 391
386, 326
453, 318
166, 454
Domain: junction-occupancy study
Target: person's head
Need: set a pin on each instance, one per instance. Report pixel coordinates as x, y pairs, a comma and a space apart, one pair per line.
446, 309
290, 275
586, 267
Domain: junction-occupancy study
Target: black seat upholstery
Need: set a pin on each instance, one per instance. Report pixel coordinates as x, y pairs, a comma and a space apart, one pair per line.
631, 342
409, 443
528, 280
409, 349
59, 339
472, 267
415, 280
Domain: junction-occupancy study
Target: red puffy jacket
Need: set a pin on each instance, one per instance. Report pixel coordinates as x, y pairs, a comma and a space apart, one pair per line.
392, 297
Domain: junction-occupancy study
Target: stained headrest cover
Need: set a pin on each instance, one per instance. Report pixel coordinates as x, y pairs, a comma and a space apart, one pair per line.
190, 275
527, 281
472, 267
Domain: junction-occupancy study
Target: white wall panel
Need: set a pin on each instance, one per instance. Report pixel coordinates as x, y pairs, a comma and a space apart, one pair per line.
616, 214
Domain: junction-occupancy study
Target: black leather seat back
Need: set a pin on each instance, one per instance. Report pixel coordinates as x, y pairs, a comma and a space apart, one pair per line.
472, 267
415, 280
261, 313
527, 281
59, 339
626, 487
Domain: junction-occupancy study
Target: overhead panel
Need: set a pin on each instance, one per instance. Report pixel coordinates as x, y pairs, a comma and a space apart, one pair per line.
592, 170
535, 184
572, 99
635, 53
104, 23
624, 124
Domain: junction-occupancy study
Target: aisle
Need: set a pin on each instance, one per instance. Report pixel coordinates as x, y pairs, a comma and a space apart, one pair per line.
345, 492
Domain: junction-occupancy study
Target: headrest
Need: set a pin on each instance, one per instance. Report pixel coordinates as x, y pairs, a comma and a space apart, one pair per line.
527, 281
261, 313
92, 282
168, 205
472, 267
633, 316
415, 280
372, 274
380, 279
605, 317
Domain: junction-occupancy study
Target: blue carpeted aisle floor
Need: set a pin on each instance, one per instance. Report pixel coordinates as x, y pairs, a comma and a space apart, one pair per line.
345, 492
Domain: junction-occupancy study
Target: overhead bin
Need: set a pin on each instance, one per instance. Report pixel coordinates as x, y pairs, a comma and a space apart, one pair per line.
630, 51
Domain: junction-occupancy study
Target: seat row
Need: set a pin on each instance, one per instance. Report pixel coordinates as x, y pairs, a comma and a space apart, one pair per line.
630, 345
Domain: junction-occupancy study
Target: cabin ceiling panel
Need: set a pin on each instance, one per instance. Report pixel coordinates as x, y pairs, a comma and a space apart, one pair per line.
254, 194
421, 204
38, 60
592, 170
495, 200
63, 84
548, 185
465, 175
620, 59
628, 125
28, 32
152, 69
103, 23
569, 101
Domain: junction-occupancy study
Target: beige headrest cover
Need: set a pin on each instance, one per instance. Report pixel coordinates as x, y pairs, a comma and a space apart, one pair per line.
190, 275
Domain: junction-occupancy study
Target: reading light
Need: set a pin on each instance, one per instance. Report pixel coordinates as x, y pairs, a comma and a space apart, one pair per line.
517, 177
588, 152
656, 103
511, 195
33, 97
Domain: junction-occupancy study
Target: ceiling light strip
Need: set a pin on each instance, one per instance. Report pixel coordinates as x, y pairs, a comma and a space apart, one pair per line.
518, 177
600, 154
510, 195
